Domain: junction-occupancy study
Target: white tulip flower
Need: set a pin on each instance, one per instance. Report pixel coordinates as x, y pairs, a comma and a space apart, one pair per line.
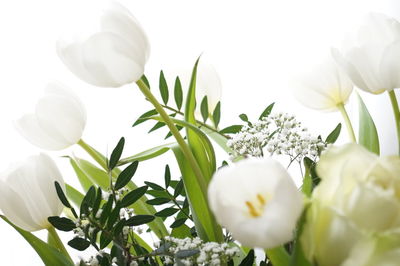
324, 88
358, 198
58, 121
257, 201
371, 57
28, 194
208, 84
113, 56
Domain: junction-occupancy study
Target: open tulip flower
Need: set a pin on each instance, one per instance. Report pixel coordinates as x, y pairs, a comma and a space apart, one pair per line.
58, 121
257, 201
324, 88
371, 57
113, 56
28, 195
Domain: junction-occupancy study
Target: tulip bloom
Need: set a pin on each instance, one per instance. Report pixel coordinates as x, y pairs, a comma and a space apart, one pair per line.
208, 84
28, 195
372, 57
358, 197
113, 56
324, 88
257, 201
58, 120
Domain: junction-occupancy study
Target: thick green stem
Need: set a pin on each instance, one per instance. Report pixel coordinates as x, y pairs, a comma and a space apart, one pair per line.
278, 256
175, 132
396, 113
93, 153
347, 122
55, 240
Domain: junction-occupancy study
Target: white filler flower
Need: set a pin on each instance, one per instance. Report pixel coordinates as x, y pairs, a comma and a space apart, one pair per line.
28, 195
371, 57
257, 201
58, 121
113, 56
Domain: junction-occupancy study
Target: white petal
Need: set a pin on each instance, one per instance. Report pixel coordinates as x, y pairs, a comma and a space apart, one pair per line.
28, 126
118, 20
60, 117
111, 60
208, 84
13, 207
390, 66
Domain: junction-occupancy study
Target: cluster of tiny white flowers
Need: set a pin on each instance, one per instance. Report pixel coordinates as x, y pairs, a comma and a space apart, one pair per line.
210, 253
277, 134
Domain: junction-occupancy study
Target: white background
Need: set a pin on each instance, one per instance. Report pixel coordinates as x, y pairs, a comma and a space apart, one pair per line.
256, 47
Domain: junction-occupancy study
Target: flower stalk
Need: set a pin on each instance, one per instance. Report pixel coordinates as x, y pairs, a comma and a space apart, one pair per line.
56, 241
347, 121
396, 112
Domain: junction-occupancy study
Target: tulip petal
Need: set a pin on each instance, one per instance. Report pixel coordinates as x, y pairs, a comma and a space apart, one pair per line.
118, 20
60, 117
13, 207
112, 60
390, 65
28, 126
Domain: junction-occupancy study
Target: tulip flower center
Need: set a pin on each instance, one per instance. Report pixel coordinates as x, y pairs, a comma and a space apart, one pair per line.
256, 207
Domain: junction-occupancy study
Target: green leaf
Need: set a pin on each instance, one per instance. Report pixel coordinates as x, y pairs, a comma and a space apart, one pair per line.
182, 231
79, 243
158, 193
147, 154
166, 212
106, 210
145, 80
84, 180
298, 258
217, 114
113, 217
156, 126
248, 260
133, 196
49, 255
333, 136
367, 133
158, 201
167, 176
267, 111
105, 239
62, 223
307, 186
61, 195
178, 222
181, 254
116, 154
97, 201
204, 109
74, 195
144, 116
244, 118
278, 256
178, 93
96, 175
231, 129
88, 201
154, 186
126, 175
178, 189
139, 220
163, 88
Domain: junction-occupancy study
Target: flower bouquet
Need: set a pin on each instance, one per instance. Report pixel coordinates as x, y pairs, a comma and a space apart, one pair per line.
242, 209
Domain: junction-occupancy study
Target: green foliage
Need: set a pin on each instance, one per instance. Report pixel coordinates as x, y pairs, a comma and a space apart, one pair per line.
267, 111
62, 223
126, 175
367, 133
231, 129
333, 136
178, 93
116, 154
204, 109
248, 260
163, 88
217, 114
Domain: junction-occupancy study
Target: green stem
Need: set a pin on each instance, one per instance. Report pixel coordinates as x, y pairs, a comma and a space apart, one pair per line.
347, 122
57, 243
175, 132
396, 113
93, 153
278, 256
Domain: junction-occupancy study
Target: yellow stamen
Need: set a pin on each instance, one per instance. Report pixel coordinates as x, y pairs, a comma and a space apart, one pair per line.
253, 211
261, 199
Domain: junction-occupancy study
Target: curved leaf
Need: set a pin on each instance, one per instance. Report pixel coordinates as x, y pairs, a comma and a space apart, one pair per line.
367, 135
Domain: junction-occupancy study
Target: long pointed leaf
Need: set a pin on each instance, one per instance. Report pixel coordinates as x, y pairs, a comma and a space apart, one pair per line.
367, 135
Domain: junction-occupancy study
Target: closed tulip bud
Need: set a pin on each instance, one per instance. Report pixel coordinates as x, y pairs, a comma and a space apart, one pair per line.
28, 195
324, 87
58, 121
112, 56
371, 57
257, 201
